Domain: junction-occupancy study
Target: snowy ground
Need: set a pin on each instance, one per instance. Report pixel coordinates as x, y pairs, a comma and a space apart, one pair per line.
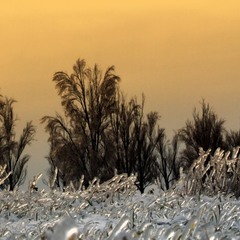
117, 210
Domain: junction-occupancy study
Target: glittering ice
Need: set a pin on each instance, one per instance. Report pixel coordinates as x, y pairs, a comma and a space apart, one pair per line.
116, 210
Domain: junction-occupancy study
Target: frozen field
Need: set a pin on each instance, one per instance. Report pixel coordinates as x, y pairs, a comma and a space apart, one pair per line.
116, 210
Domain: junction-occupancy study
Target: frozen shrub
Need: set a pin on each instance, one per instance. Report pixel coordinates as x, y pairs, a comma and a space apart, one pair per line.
215, 174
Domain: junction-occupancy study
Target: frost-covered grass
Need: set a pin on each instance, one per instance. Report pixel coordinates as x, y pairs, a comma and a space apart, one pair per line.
116, 210
201, 205
211, 174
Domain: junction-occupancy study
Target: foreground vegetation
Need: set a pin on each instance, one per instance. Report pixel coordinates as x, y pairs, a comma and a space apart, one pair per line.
116, 210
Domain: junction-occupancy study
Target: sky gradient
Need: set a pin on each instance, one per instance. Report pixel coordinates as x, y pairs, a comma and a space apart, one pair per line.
175, 52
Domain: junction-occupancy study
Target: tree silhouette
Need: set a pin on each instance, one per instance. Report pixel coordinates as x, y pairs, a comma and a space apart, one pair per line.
205, 131
146, 137
135, 140
88, 99
123, 128
102, 132
67, 151
11, 151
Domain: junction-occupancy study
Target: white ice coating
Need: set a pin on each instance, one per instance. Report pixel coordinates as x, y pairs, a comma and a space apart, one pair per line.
116, 210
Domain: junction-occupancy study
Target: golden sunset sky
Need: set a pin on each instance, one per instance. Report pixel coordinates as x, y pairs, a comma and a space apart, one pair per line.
175, 52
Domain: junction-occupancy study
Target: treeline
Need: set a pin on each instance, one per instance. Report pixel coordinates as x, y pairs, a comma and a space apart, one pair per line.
102, 132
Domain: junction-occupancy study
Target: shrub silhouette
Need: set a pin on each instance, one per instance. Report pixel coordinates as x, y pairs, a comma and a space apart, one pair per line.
206, 130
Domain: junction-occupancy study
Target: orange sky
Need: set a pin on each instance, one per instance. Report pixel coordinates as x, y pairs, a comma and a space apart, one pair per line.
176, 52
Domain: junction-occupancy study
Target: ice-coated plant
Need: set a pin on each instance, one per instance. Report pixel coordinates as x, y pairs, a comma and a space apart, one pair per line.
33, 183
3, 174
115, 209
215, 174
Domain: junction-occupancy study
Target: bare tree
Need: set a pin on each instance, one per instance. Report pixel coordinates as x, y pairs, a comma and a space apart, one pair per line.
11, 150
